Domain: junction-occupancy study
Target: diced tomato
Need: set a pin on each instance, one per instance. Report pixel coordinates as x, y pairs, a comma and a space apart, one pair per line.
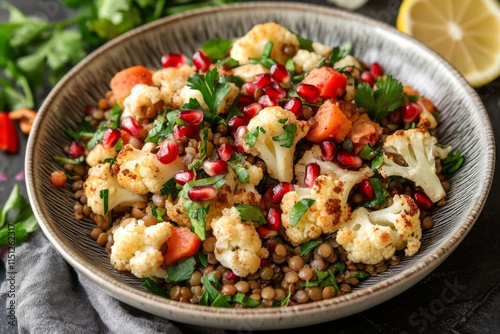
123, 81
331, 123
183, 243
331, 84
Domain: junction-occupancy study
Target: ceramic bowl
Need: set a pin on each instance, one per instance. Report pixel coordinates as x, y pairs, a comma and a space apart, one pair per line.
465, 125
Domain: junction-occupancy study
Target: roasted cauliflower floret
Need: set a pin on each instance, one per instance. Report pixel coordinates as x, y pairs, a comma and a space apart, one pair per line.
98, 154
272, 135
325, 215
142, 172
100, 178
370, 237
137, 248
248, 72
348, 177
416, 147
252, 44
306, 60
143, 102
170, 81
238, 246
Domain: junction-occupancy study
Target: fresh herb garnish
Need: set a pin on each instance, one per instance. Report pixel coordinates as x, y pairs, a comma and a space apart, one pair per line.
154, 287
339, 53
65, 160
360, 274
202, 257
307, 247
159, 129
305, 43
251, 212
212, 91
197, 213
211, 296
299, 209
379, 103
104, 194
340, 267
268, 48
368, 152
251, 137
158, 213
181, 271
216, 48
170, 188
241, 172
452, 163
287, 138
377, 161
380, 194
114, 117
14, 231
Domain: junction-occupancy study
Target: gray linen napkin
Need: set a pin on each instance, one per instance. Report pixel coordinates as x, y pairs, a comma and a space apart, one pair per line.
51, 297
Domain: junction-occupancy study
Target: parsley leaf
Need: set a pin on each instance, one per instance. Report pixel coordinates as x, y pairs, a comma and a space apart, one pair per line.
243, 299
104, 194
181, 271
381, 102
154, 287
251, 212
197, 214
286, 138
212, 91
299, 209
452, 163
307, 247
169, 188
158, 213
240, 171
305, 43
216, 48
251, 137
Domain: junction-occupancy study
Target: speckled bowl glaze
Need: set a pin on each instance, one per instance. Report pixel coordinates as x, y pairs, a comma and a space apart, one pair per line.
465, 125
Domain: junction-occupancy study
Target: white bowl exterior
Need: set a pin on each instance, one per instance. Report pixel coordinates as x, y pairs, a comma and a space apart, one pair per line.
462, 114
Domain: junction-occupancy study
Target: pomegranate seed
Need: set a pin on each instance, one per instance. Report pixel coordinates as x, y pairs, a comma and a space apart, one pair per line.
201, 61
181, 177
58, 178
267, 101
274, 219
181, 131
235, 122
215, 167
410, 112
349, 160
225, 151
262, 80
368, 78
130, 125
265, 232
251, 110
249, 88
280, 74
292, 303
366, 189
173, 60
422, 200
75, 150
376, 70
110, 138
274, 93
308, 92
295, 106
192, 117
312, 172
238, 139
202, 193
168, 152
271, 245
328, 150
245, 100
230, 275
279, 190
264, 263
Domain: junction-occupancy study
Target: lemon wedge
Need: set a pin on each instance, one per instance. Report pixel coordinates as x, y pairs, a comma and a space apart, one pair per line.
465, 32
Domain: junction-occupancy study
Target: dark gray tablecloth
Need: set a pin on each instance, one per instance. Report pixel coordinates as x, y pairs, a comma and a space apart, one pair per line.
461, 296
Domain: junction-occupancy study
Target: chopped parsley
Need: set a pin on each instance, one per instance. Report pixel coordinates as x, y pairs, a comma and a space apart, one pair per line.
181, 271
452, 163
251, 137
307, 247
251, 212
154, 287
212, 91
104, 194
299, 209
216, 48
287, 138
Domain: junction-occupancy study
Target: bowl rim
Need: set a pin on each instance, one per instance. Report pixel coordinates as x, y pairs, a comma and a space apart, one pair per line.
217, 317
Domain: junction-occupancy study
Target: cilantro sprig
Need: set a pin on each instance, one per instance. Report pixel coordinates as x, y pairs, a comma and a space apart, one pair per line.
213, 91
380, 102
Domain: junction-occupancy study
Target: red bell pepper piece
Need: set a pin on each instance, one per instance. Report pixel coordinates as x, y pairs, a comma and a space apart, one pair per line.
8, 134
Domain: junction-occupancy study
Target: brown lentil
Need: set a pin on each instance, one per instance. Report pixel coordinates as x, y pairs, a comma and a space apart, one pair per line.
291, 277
209, 245
253, 284
296, 263
268, 293
149, 220
301, 296
280, 250
325, 250
427, 223
95, 233
345, 288
306, 274
266, 273
229, 290
315, 293
102, 239
242, 286
328, 292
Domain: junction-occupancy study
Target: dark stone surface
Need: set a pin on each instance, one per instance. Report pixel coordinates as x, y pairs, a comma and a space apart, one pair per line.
461, 296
